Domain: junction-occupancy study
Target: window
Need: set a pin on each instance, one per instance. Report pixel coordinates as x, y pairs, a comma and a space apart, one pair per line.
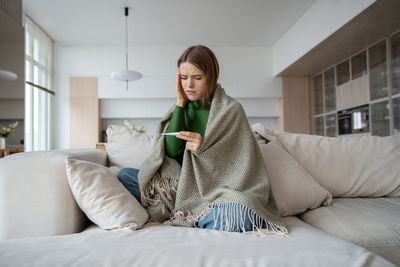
38, 102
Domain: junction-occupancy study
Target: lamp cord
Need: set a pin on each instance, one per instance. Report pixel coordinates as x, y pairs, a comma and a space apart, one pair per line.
126, 35
126, 41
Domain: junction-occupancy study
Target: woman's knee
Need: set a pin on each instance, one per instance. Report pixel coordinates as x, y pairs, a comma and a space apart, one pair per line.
127, 174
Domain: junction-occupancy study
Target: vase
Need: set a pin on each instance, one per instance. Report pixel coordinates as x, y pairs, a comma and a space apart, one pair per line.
2, 142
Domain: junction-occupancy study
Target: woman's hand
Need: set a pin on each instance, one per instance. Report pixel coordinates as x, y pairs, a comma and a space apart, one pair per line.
193, 140
181, 96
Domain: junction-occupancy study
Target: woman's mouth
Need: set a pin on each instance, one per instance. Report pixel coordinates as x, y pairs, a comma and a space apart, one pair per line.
189, 92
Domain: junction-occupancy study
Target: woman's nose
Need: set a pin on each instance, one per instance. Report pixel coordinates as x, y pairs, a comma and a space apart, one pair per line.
190, 82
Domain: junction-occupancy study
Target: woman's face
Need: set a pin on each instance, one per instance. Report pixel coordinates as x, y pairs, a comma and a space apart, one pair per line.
194, 81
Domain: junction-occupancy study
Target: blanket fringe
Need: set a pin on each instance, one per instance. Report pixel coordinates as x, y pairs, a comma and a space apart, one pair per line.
231, 216
148, 196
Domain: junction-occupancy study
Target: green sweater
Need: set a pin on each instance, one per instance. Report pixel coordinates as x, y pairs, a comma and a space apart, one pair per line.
193, 118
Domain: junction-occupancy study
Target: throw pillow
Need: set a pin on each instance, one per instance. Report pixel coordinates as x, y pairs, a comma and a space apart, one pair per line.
354, 166
126, 147
103, 199
294, 189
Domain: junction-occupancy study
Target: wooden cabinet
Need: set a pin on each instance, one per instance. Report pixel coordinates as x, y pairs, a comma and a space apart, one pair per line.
295, 105
84, 112
371, 77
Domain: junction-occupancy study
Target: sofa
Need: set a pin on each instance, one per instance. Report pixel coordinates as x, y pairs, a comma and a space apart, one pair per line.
339, 199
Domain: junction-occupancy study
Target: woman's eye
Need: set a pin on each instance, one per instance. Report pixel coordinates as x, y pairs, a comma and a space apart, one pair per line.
183, 78
198, 78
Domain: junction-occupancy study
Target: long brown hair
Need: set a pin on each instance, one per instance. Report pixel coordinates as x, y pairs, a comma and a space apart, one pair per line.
203, 58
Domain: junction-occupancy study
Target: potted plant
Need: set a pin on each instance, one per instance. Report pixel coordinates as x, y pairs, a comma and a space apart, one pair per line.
7, 132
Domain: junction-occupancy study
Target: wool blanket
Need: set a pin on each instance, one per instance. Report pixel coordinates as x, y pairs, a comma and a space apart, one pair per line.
227, 170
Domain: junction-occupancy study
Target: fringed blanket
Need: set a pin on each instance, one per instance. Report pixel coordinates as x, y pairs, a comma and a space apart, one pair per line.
228, 169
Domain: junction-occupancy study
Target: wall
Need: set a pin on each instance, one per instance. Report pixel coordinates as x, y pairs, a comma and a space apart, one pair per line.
246, 74
318, 23
12, 93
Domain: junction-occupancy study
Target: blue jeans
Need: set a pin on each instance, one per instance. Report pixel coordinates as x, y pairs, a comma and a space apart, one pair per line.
129, 178
213, 221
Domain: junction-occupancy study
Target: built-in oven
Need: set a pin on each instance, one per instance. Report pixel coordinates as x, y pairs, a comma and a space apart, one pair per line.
354, 120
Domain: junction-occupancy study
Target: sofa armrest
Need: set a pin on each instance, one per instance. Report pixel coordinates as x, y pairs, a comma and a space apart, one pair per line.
35, 197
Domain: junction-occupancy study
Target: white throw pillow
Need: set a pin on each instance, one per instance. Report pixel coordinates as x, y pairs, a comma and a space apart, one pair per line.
357, 166
102, 197
294, 189
127, 148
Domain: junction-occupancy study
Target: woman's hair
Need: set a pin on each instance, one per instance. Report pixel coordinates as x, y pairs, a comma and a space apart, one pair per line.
203, 58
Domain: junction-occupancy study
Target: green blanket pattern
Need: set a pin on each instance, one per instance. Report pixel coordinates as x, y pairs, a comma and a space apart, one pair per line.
228, 169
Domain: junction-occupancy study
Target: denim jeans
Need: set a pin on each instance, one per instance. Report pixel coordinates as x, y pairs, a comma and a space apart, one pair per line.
129, 178
213, 221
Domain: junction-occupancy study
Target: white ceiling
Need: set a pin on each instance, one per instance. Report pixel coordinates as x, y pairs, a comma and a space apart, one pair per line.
167, 22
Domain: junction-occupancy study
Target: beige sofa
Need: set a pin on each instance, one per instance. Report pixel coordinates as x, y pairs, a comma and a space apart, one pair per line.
340, 221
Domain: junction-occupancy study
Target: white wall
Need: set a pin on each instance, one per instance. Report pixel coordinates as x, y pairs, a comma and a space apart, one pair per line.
318, 23
246, 74
12, 59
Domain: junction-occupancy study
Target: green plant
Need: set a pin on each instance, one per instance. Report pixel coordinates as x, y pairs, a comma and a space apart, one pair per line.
9, 130
142, 128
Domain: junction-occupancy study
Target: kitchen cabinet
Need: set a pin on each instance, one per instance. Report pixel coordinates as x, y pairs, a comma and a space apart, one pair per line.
318, 95
319, 126
84, 112
330, 125
396, 115
359, 65
380, 118
395, 56
330, 92
378, 82
343, 73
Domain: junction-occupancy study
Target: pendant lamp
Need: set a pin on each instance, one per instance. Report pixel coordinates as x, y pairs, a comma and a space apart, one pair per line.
126, 75
6, 75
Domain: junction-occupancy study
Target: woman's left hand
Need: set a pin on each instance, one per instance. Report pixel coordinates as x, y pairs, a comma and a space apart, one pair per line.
193, 140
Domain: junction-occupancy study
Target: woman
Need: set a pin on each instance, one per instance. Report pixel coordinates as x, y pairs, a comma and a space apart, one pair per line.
211, 174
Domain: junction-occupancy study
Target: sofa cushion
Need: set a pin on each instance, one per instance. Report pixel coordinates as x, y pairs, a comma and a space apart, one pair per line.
368, 222
155, 246
294, 189
348, 166
127, 148
103, 199
35, 197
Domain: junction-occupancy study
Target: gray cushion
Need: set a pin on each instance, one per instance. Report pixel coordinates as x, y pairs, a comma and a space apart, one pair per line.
369, 222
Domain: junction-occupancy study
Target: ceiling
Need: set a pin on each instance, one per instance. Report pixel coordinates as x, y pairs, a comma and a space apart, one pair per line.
167, 22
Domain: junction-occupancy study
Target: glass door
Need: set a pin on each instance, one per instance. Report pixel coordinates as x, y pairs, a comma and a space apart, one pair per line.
395, 51
396, 115
319, 126
330, 92
380, 118
378, 82
318, 95
359, 65
330, 121
343, 72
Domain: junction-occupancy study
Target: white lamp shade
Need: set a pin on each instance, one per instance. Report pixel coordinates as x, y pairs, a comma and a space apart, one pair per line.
6, 75
126, 75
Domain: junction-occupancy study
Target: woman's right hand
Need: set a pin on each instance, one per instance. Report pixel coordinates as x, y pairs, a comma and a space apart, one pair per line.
181, 96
